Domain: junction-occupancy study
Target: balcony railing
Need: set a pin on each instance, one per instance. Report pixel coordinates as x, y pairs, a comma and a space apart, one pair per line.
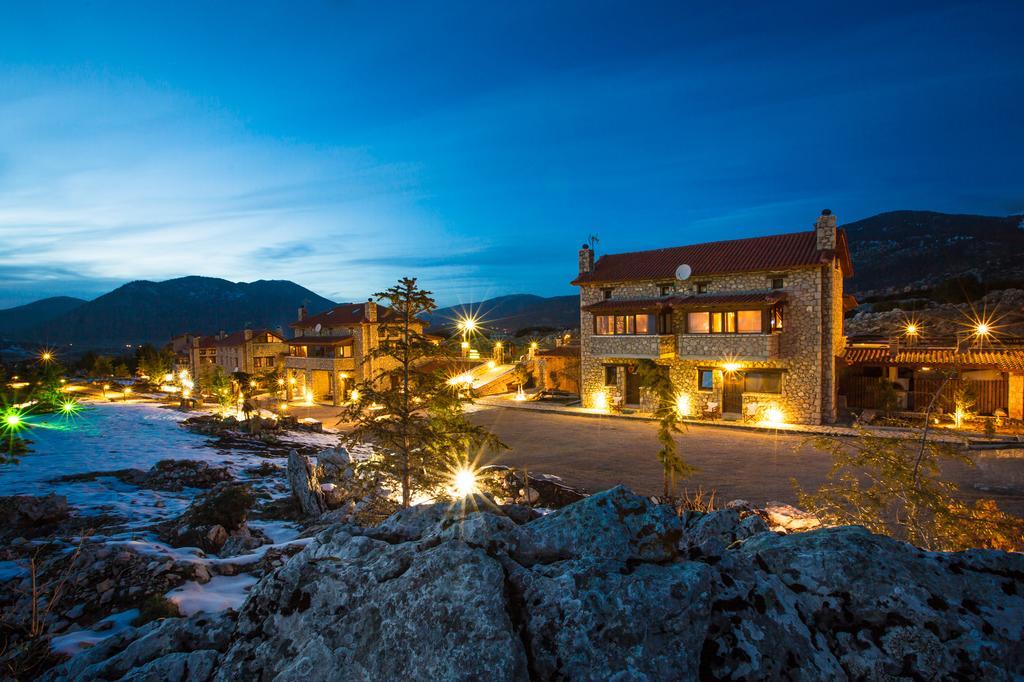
653, 346
732, 346
328, 364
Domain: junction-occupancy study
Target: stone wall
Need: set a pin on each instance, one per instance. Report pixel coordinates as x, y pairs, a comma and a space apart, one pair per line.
804, 350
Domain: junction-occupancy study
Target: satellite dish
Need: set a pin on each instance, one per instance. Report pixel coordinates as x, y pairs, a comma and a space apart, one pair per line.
318, 327
683, 272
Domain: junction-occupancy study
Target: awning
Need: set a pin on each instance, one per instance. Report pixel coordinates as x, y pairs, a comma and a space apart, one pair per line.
1005, 360
750, 298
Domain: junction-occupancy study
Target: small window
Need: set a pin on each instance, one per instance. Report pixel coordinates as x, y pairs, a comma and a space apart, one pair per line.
611, 375
702, 287
778, 283
705, 379
776, 317
766, 381
607, 293
666, 289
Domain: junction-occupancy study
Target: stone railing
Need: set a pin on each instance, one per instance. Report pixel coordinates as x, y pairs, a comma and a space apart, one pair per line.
651, 346
730, 346
327, 364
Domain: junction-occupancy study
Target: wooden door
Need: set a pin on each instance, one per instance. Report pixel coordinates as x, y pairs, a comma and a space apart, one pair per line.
632, 386
732, 393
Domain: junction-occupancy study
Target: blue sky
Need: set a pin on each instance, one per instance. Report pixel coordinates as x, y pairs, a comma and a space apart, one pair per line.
476, 145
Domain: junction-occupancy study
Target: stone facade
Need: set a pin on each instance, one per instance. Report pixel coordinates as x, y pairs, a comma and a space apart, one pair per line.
250, 351
804, 350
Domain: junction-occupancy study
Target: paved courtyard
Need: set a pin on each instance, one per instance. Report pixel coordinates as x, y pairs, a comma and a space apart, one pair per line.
600, 452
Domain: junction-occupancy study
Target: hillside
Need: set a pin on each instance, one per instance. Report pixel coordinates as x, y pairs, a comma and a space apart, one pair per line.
921, 249
14, 321
516, 311
152, 312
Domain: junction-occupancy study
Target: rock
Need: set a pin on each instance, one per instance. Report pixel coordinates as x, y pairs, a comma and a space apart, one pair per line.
596, 590
334, 496
161, 650
178, 474
34, 515
304, 484
790, 518
614, 523
333, 462
210, 519
739, 505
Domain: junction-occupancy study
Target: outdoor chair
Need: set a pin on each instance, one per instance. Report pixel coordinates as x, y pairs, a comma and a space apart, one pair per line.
751, 412
710, 410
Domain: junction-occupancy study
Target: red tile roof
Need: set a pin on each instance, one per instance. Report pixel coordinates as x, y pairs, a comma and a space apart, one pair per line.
1006, 359
238, 338
775, 252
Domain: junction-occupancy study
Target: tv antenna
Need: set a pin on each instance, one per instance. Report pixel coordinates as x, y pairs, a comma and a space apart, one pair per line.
593, 241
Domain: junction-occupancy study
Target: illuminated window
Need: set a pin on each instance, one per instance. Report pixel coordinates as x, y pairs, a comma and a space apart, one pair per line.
776, 318
748, 321
698, 323
623, 324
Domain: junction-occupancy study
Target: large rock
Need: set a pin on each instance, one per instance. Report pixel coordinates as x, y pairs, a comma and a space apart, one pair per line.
599, 590
32, 513
305, 486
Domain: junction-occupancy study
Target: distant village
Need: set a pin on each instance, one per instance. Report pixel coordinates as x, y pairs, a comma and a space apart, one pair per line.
750, 330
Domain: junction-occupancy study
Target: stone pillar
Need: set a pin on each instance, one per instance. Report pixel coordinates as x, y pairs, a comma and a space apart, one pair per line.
335, 388
289, 377
307, 385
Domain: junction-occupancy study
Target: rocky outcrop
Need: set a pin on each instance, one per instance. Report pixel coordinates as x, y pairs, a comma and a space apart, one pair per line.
305, 486
32, 515
167, 474
600, 590
212, 519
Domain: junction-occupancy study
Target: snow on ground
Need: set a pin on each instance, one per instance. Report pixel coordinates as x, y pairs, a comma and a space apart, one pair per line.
222, 592
73, 642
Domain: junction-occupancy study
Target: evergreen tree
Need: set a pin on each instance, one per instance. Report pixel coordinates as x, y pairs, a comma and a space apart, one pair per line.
411, 415
655, 379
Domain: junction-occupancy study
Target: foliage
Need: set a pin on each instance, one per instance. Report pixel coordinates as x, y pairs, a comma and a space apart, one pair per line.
655, 379
102, 366
218, 384
894, 486
154, 363
414, 418
888, 401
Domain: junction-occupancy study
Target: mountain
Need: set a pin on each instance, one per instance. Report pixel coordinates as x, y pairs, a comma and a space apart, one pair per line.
916, 250
516, 311
14, 321
152, 312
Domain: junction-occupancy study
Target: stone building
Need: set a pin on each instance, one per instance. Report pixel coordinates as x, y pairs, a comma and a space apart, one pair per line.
748, 328
558, 368
252, 351
330, 353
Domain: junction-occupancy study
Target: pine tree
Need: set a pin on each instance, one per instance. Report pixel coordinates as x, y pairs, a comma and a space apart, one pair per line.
655, 379
411, 415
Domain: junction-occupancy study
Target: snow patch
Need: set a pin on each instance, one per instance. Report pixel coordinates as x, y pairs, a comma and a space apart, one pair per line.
221, 593
73, 642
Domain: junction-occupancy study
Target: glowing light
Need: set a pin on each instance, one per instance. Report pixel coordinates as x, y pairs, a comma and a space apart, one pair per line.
731, 367
183, 375
46, 356
252, 384
12, 420
128, 390
533, 345
464, 482
911, 329
601, 400
106, 387
958, 417
982, 329
520, 394
283, 406
291, 380
497, 344
683, 405
773, 416
468, 324
491, 364
465, 344
168, 378
69, 407
280, 382
309, 396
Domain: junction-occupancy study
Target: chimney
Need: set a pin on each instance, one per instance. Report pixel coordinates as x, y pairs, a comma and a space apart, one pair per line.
222, 334
302, 313
247, 334
586, 260
825, 230
371, 310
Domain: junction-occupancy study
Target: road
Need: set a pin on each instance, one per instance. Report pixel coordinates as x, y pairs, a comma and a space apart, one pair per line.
599, 452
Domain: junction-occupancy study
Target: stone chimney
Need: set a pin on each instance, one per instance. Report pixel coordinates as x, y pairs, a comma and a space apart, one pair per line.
302, 313
247, 334
586, 260
825, 230
371, 310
